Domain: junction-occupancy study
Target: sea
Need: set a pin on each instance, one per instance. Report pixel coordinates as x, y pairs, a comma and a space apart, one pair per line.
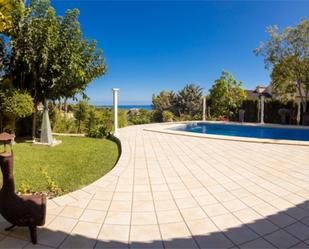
127, 107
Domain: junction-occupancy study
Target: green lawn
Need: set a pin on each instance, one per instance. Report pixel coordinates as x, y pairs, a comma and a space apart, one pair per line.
75, 163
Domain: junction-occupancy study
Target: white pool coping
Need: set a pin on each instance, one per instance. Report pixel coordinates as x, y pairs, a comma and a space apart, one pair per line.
167, 128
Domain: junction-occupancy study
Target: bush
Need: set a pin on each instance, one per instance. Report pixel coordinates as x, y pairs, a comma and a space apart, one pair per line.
139, 117
99, 132
65, 125
24, 188
184, 118
167, 116
52, 186
157, 116
251, 108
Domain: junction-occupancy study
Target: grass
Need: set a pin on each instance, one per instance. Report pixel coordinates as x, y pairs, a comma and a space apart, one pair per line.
75, 163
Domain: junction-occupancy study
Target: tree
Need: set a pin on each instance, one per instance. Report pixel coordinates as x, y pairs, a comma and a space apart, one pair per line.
188, 101
162, 101
15, 105
4, 60
50, 58
226, 96
81, 112
6, 10
286, 54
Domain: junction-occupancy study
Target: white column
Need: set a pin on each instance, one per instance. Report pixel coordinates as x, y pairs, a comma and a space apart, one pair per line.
262, 109
204, 108
115, 104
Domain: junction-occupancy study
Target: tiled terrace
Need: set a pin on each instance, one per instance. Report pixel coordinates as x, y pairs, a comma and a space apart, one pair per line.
170, 191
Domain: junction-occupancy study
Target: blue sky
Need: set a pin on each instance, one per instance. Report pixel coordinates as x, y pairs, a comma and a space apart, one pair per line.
154, 45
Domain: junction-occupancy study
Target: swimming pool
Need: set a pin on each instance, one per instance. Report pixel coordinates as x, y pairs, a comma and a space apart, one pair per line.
250, 131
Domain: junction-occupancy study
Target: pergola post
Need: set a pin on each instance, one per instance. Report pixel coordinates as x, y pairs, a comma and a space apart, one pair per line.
262, 109
204, 108
298, 111
115, 104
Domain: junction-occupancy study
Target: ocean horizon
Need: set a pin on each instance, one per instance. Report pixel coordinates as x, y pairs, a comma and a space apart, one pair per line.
127, 107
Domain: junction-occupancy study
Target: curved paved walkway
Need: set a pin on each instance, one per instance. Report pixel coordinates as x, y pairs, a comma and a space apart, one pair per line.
170, 191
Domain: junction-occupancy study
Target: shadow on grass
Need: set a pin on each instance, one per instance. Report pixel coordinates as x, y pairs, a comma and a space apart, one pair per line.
285, 229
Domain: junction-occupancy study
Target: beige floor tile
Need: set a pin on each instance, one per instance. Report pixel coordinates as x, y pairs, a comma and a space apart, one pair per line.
174, 230
105, 196
118, 218
165, 205
265, 209
94, 216
186, 203
143, 206
117, 233
162, 196
203, 226
234, 205
98, 205
122, 196
145, 233
72, 212
121, 206
142, 196
247, 215
226, 221
215, 210
251, 200
87, 229
143, 218
193, 213
169, 216
206, 200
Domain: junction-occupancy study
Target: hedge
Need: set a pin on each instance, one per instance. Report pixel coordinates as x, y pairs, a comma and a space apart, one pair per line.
271, 111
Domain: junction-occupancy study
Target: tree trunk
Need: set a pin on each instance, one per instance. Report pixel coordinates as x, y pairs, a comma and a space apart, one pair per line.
79, 123
303, 100
60, 105
34, 115
13, 126
65, 107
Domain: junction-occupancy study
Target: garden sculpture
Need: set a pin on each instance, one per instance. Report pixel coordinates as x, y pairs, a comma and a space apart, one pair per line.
19, 210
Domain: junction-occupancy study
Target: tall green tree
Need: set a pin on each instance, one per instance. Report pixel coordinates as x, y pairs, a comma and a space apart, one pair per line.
286, 54
226, 96
50, 58
81, 113
7, 8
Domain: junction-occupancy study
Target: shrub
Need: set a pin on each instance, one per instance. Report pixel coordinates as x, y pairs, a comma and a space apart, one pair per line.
16, 105
24, 188
251, 108
99, 132
167, 116
52, 186
139, 117
184, 118
156, 116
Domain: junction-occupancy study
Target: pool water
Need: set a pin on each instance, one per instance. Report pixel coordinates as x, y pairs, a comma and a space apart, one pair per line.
247, 131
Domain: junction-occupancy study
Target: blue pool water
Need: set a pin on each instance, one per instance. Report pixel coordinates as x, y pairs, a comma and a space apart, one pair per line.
247, 131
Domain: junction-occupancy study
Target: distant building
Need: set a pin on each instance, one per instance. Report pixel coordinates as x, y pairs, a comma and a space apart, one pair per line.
254, 94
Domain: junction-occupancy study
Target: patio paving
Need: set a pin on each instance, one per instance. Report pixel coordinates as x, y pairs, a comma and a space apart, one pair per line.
170, 191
